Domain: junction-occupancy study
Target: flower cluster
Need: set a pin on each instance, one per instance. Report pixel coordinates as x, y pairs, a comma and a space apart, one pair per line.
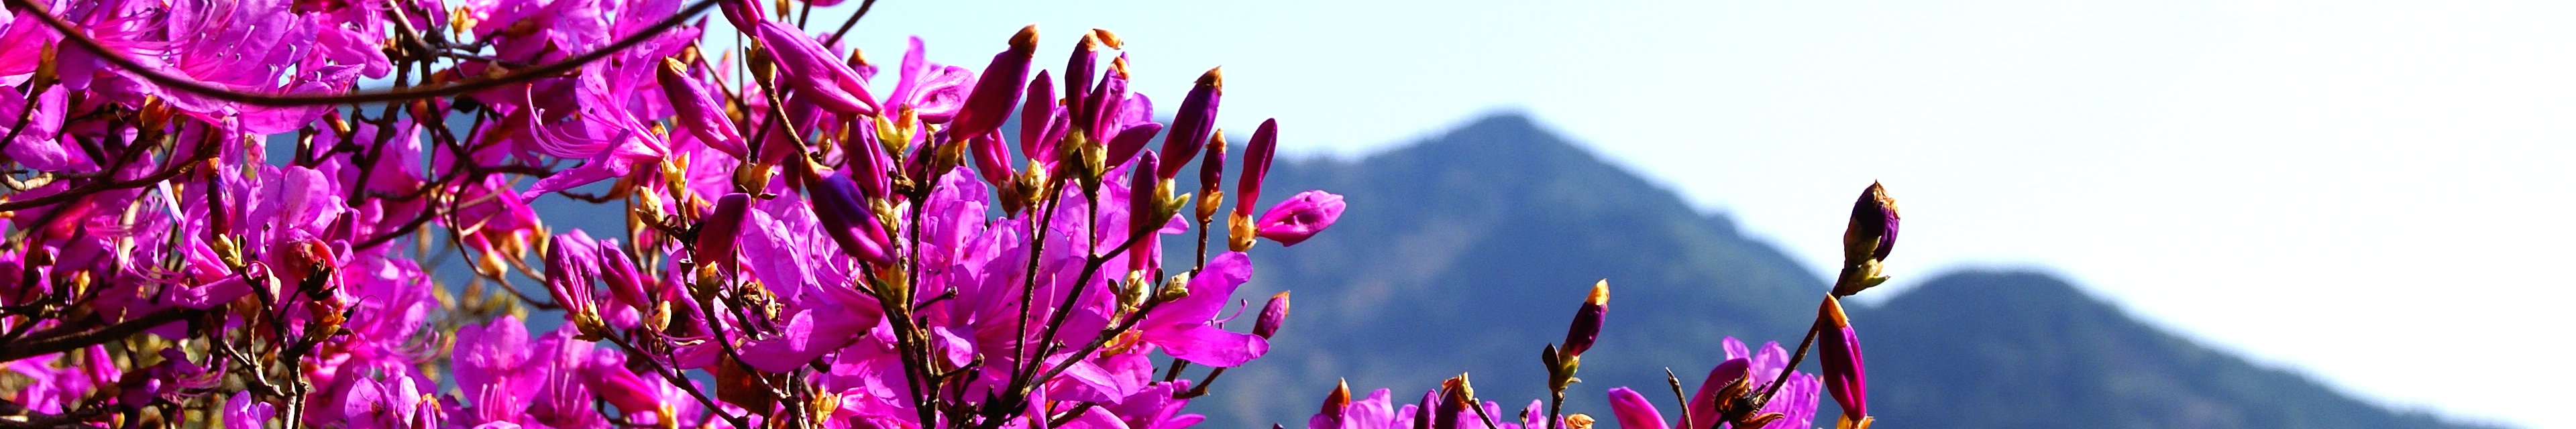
1747, 390
805, 247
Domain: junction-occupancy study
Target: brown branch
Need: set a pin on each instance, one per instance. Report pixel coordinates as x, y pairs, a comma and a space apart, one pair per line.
167, 171
852, 22
62, 339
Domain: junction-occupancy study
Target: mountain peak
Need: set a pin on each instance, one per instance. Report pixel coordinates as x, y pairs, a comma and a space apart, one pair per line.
1505, 137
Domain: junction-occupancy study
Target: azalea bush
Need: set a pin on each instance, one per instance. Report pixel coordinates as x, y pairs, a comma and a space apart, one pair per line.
227, 213
1746, 390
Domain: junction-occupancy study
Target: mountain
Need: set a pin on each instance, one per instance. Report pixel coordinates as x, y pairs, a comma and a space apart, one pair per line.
1469, 251
1986, 349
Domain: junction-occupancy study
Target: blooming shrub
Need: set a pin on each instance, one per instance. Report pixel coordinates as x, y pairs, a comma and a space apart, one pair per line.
803, 247
799, 250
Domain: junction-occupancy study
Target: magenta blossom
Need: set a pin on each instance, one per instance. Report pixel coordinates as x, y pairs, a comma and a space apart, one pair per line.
1184, 327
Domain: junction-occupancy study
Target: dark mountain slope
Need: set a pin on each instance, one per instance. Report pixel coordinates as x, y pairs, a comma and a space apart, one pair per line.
1469, 251
2016, 349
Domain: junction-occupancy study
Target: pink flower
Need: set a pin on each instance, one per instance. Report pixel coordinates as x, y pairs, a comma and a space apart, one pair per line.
1184, 329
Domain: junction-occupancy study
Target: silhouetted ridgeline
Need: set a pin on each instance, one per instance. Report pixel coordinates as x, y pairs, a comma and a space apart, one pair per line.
1468, 252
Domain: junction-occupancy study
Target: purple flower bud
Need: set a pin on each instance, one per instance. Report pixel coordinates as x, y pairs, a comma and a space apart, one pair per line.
741, 13
1037, 115
1256, 166
1587, 320
1872, 232
572, 259
1131, 141
1336, 408
1271, 314
842, 210
1300, 217
1212, 165
626, 284
1423, 412
992, 158
999, 87
1077, 76
1142, 201
1839, 347
1197, 118
1101, 107
816, 72
1456, 396
718, 231
698, 112
572, 264
870, 166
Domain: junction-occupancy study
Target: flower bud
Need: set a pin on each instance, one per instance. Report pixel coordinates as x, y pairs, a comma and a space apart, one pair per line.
1338, 402
1839, 348
740, 13
1872, 232
572, 264
718, 231
992, 159
999, 87
1456, 398
1336, 408
1300, 217
1271, 314
815, 72
869, 165
837, 205
1866, 242
1037, 118
626, 284
1195, 120
1128, 142
1587, 320
698, 112
1256, 167
1142, 199
1105, 102
1211, 176
1077, 77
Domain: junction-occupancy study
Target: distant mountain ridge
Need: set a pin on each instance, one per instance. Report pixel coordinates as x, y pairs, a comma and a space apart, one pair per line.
1466, 252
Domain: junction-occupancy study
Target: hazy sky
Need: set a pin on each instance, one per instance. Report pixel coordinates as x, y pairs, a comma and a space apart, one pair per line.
2374, 192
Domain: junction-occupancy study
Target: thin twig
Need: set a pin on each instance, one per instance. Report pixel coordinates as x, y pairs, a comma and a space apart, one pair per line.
852, 22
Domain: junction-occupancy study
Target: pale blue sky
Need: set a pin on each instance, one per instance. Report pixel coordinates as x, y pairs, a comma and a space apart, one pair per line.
2371, 191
